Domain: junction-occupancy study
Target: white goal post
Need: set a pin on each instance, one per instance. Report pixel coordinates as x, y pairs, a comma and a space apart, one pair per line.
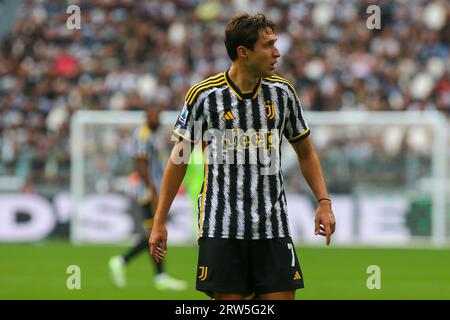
434, 120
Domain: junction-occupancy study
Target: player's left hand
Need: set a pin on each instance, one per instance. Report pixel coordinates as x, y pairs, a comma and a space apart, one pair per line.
325, 223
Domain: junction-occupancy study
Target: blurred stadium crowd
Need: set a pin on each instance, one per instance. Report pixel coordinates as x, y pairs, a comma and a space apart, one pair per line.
129, 55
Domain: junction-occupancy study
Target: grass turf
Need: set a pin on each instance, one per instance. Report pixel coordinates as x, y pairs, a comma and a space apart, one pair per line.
38, 271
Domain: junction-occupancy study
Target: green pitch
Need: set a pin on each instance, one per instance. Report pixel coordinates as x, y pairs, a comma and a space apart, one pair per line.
38, 271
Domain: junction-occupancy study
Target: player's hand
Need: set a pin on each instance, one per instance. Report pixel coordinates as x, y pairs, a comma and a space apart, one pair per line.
158, 241
325, 223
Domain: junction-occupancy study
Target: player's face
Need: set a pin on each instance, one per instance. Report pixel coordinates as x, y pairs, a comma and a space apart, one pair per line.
262, 59
153, 119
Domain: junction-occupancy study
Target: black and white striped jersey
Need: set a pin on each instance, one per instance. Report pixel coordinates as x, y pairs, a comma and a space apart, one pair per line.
145, 146
242, 195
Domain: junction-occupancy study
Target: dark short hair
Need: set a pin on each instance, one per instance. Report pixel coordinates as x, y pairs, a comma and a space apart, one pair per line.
243, 30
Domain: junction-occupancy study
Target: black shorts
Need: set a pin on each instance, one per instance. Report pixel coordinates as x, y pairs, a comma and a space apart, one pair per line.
247, 266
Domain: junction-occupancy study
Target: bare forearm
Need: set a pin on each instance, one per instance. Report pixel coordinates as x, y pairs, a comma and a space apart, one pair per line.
313, 174
324, 220
172, 178
310, 167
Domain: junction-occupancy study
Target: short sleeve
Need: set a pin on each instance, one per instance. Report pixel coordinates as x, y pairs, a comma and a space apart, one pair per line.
295, 128
189, 126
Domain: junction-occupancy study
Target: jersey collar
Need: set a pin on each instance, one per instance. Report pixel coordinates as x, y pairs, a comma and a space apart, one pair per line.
242, 95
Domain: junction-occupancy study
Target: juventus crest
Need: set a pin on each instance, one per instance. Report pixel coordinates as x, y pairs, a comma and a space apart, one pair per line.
270, 109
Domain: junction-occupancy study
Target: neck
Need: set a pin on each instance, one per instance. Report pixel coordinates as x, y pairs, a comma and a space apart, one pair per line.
245, 80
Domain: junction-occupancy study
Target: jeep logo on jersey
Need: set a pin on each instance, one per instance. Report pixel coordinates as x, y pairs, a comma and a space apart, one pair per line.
240, 139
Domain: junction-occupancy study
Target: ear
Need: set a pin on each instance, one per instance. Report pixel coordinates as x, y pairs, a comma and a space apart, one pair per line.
242, 52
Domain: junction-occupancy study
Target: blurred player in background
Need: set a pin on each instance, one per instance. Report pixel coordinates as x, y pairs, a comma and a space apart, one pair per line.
245, 247
148, 159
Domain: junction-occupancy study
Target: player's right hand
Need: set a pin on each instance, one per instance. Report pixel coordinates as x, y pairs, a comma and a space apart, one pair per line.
158, 242
325, 223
